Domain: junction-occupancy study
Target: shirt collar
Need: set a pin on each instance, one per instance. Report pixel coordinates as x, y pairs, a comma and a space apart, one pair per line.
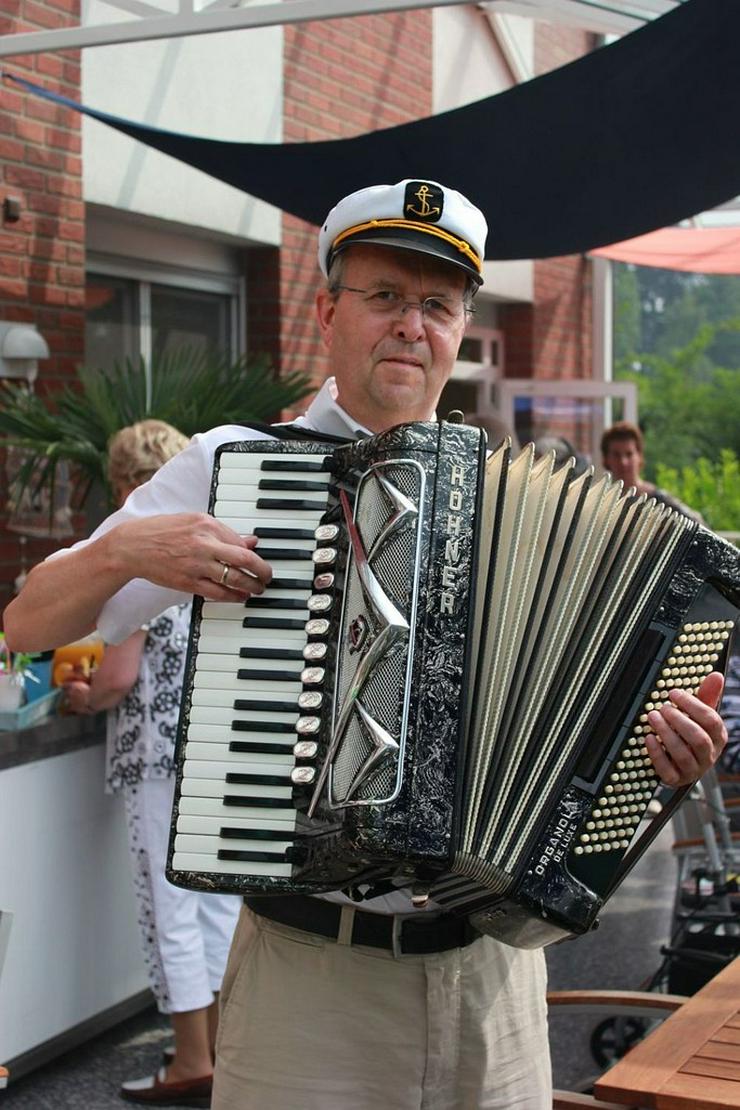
325, 414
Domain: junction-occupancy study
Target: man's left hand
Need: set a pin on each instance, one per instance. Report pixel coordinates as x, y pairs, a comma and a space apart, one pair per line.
688, 734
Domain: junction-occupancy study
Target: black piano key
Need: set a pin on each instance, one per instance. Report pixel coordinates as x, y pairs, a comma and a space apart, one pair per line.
248, 779
229, 833
291, 584
267, 706
269, 676
316, 467
245, 801
284, 623
251, 857
292, 484
262, 749
270, 653
283, 533
276, 603
287, 504
261, 726
276, 554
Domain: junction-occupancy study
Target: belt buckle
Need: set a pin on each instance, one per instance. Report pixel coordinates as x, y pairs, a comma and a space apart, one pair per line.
397, 931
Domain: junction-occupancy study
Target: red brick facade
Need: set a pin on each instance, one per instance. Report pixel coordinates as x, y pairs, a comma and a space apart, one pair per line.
551, 338
342, 77
42, 255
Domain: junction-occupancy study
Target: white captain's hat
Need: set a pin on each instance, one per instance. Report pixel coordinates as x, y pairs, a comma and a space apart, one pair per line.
412, 215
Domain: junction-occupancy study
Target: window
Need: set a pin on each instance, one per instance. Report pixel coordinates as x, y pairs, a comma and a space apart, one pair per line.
130, 317
479, 365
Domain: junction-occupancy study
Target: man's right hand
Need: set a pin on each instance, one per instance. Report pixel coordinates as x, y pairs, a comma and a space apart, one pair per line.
191, 552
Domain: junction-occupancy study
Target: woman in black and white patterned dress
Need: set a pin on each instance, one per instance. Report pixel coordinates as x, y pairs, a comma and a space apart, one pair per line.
185, 935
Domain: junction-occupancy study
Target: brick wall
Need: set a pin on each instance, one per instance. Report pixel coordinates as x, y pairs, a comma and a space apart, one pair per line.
42, 255
342, 77
552, 337
562, 286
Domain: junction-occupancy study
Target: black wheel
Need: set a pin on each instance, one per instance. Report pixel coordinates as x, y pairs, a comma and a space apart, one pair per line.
615, 1036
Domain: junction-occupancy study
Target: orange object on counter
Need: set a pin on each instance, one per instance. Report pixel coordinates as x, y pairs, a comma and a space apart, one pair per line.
77, 660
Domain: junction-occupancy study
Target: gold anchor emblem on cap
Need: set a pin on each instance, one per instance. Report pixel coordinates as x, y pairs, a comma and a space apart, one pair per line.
426, 211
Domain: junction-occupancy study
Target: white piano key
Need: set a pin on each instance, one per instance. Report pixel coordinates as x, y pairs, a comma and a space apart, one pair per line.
191, 842
210, 822
247, 687
214, 807
218, 769
199, 861
252, 460
265, 637
208, 663
229, 490
258, 763
234, 629
241, 524
198, 785
224, 715
213, 697
307, 515
224, 734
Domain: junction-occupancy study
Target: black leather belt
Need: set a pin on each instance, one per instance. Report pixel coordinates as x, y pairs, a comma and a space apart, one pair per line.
403, 934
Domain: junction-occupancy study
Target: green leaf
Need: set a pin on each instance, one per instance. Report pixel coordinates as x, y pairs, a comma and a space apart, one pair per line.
191, 389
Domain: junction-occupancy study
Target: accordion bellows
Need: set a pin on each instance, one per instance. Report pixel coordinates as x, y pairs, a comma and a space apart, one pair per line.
448, 686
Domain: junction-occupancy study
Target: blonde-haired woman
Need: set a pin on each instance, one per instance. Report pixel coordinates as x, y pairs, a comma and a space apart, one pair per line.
185, 936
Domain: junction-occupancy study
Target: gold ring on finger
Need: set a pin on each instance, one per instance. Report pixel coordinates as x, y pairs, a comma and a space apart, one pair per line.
224, 574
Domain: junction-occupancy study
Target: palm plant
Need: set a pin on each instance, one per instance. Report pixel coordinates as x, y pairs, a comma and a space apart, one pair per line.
192, 390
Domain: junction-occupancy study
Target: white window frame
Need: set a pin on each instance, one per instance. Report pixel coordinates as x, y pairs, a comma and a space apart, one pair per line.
146, 274
509, 389
485, 372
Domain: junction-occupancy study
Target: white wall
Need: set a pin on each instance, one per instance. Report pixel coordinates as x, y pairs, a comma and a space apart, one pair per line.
64, 875
475, 57
220, 86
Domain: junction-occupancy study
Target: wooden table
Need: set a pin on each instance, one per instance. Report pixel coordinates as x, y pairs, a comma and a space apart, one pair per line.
691, 1061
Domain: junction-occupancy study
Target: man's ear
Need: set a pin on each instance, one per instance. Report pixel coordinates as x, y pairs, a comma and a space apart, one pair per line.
325, 309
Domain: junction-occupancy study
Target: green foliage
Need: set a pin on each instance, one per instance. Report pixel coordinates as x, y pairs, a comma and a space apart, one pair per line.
191, 390
689, 408
713, 489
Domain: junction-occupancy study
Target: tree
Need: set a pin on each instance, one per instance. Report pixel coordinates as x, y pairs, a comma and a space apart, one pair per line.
688, 407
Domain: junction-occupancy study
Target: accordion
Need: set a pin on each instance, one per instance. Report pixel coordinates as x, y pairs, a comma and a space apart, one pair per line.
445, 685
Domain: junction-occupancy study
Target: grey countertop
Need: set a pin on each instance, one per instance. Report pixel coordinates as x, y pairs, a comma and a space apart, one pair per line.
57, 735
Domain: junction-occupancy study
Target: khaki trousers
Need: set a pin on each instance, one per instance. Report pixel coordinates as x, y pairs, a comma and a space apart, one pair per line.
313, 1024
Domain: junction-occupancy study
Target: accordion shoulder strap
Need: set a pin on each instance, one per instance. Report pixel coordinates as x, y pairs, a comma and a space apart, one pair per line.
294, 431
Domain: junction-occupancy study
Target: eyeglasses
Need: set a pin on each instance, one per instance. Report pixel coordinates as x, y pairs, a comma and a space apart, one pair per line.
442, 312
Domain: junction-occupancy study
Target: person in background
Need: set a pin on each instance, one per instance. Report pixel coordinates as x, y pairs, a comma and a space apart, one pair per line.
495, 428
564, 450
622, 451
185, 935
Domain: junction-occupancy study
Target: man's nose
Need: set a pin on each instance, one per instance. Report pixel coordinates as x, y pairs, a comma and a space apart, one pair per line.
408, 322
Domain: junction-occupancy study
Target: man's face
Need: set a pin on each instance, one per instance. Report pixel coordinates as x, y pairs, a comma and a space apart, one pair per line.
390, 367
624, 460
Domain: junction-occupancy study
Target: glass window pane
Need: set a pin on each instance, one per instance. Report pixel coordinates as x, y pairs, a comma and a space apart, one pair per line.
111, 321
579, 420
189, 318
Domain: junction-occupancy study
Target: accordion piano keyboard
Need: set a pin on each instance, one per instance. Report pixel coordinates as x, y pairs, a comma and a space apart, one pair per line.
251, 719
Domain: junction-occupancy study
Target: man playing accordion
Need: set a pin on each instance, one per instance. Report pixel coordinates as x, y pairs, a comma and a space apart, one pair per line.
309, 1018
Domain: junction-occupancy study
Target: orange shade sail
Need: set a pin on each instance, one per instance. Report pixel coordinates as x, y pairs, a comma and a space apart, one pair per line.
701, 250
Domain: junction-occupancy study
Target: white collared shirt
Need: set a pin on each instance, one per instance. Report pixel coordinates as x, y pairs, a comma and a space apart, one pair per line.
183, 486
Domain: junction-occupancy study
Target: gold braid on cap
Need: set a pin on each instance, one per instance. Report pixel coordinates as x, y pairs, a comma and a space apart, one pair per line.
460, 244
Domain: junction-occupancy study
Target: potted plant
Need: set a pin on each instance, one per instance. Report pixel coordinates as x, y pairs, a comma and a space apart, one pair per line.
70, 428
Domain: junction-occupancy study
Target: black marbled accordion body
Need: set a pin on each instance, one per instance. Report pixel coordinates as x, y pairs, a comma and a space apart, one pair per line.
446, 683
